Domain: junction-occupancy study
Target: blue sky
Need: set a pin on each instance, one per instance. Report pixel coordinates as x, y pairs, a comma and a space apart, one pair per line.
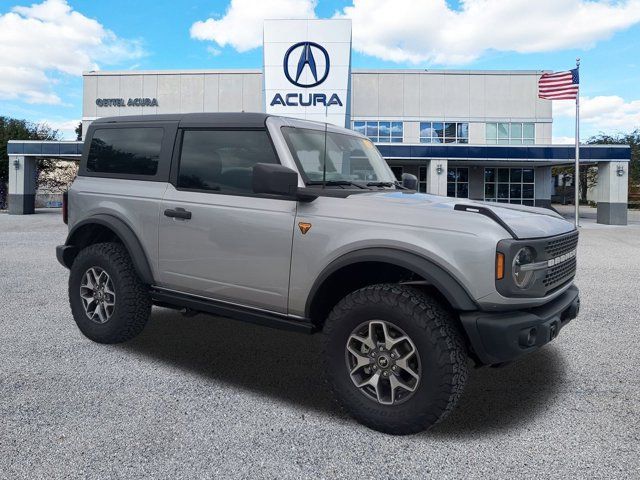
44, 84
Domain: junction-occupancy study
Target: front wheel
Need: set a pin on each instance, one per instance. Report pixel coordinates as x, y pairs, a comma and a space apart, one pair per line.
395, 360
109, 302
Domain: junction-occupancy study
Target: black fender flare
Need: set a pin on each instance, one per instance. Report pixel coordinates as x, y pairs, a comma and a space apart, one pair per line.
124, 233
435, 275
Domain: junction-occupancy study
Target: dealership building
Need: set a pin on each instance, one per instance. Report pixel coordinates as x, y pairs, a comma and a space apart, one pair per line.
483, 135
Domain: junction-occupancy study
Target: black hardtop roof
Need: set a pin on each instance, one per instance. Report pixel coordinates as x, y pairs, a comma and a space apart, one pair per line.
223, 119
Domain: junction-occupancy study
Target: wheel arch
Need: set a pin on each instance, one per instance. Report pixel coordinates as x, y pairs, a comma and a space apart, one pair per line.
103, 227
324, 295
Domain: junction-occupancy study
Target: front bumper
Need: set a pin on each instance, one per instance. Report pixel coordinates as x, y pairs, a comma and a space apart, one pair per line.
504, 336
65, 254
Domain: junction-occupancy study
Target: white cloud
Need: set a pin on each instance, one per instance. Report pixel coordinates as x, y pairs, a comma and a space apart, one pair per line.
65, 127
603, 113
213, 51
50, 38
563, 140
430, 31
61, 124
241, 25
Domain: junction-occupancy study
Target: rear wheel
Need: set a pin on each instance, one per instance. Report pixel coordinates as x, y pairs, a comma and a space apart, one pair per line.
395, 360
109, 302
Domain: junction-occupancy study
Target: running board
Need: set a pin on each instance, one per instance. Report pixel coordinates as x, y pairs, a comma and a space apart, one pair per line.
172, 299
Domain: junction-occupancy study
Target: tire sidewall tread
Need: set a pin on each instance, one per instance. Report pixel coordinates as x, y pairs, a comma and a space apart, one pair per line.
440, 346
133, 302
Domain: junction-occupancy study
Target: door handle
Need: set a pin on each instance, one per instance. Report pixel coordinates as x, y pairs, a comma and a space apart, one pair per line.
178, 213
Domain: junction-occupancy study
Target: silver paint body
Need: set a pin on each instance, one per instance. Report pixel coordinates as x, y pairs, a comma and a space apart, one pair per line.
249, 251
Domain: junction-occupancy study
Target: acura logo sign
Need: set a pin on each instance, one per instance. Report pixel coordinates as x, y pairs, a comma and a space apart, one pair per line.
306, 65
307, 53
306, 70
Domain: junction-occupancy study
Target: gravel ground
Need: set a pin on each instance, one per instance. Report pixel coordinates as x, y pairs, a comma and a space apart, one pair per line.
206, 397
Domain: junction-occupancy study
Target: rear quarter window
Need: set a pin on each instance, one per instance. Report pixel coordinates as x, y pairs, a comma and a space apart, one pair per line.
125, 151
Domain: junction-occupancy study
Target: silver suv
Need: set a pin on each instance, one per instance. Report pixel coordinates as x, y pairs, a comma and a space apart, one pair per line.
303, 226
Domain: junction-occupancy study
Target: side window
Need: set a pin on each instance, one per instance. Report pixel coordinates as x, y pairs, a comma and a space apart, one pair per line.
222, 160
127, 151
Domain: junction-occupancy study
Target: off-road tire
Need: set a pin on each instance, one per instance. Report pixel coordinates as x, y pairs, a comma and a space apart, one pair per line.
132, 300
440, 347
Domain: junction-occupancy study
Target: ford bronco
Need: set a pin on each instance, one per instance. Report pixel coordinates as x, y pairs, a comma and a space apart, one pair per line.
302, 225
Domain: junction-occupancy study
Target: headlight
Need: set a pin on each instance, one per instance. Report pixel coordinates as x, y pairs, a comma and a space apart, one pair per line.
521, 270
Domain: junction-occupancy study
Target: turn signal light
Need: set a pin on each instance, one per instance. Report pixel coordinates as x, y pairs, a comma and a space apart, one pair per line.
304, 227
499, 266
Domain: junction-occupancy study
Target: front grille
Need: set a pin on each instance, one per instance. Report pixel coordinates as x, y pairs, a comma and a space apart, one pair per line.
562, 245
563, 272
560, 274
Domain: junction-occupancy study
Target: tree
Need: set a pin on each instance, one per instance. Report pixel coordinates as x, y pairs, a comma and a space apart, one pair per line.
15, 129
589, 174
633, 140
78, 131
588, 179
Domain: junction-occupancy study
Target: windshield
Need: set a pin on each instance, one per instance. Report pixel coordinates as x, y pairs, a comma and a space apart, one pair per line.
349, 158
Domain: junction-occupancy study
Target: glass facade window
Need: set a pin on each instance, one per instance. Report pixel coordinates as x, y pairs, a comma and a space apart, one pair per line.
380, 131
444, 132
397, 172
422, 179
504, 133
509, 185
458, 182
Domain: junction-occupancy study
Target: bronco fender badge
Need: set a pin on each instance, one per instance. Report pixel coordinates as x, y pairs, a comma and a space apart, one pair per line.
304, 227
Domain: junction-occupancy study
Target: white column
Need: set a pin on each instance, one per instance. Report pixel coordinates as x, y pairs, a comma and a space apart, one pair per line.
22, 185
437, 182
612, 192
543, 186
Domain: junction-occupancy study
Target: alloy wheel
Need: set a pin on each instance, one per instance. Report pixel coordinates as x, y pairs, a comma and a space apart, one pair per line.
97, 294
383, 362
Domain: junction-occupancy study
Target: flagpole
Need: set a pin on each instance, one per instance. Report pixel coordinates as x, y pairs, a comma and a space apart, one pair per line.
576, 181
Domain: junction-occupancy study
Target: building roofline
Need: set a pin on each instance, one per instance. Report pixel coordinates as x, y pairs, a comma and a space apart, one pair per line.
365, 71
232, 71
449, 72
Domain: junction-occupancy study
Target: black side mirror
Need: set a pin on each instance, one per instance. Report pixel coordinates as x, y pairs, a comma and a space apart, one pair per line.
409, 181
274, 179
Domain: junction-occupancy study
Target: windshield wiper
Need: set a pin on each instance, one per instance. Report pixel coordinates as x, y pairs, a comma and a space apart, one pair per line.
396, 184
381, 184
336, 183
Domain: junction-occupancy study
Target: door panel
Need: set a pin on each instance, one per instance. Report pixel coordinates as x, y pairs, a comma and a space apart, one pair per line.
233, 248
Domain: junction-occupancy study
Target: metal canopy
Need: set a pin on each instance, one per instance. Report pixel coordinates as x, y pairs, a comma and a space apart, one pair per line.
541, 155
538, 154
45, 148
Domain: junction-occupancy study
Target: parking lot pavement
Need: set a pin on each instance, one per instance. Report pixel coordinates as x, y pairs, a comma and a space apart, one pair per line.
204, 397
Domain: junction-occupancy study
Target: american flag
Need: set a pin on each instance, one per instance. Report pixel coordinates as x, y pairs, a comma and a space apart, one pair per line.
559, 85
